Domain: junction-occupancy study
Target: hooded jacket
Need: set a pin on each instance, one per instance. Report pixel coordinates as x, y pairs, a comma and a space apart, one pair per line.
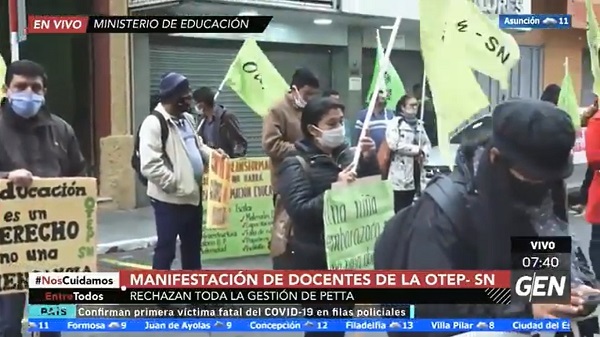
226, 132
436, 243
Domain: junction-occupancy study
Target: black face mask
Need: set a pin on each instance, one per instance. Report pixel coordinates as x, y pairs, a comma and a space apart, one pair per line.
527, 193
183, 105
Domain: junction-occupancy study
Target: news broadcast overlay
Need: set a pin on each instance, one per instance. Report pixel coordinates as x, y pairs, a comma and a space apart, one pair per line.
269, 287
296, 325
266, 296
541, 269
535, 21
49, 226
146, 24
223, 311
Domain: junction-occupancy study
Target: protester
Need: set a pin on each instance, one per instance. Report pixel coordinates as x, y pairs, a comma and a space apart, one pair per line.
592, 213
589, 172
174, 172
218, 127
281, 129
378, 122
34, 143
322, 158
409, 147
332, 94
347, 126
429, 114
500, 189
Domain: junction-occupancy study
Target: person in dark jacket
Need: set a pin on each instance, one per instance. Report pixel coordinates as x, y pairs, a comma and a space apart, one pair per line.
33, 143
508, 178
302, 189
218, 127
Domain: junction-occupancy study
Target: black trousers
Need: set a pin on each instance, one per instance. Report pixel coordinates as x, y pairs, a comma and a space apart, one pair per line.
403, 199
585, 185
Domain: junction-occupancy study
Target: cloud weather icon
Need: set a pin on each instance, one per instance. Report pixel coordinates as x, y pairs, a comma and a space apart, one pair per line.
550, 21
114, 325
394, 325
32, 325
482, 325
308, 324
219, 324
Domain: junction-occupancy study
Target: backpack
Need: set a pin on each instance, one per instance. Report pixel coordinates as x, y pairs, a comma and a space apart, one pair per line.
135, 156
391, 246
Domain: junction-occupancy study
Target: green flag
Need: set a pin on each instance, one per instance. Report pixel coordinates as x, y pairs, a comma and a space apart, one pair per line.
254, 78
392, 86
593, 40
567, 100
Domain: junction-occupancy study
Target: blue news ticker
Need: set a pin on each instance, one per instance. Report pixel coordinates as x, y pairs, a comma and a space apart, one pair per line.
70, 311
534, 21
295, 325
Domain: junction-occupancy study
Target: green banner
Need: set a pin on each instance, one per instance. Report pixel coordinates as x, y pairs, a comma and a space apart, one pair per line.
250, 217
354, 217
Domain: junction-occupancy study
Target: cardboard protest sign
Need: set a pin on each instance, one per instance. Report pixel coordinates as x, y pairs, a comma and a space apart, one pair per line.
354, 217
219, 190
50, 226
248, 230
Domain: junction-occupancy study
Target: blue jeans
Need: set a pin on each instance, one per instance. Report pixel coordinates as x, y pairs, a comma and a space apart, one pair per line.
172, 221
11, 314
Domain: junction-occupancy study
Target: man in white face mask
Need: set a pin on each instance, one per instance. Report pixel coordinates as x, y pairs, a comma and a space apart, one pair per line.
281, 129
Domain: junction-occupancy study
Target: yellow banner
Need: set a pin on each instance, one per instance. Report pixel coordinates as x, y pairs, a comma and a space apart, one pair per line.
50, 226
219, 190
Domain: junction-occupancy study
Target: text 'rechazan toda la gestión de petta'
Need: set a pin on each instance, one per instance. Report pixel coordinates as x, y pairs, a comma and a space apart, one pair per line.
271, 287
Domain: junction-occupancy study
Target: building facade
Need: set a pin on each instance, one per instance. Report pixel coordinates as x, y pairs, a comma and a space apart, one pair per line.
336, 39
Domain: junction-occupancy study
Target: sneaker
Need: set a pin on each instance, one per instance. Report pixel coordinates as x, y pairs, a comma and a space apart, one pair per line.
577, 209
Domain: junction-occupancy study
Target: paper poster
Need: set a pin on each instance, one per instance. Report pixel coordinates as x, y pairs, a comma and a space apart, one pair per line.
248, 230
219, 190
50, 226
354, 217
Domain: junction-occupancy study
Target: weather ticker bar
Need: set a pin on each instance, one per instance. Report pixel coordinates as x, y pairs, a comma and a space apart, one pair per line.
297, 325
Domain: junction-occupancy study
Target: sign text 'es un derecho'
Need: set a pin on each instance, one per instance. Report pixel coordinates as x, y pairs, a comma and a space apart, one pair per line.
50, 226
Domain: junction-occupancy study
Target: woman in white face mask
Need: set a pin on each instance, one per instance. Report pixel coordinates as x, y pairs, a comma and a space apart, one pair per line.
323, 157
409, 147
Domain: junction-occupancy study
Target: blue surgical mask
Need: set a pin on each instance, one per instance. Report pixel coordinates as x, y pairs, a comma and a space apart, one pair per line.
26, 103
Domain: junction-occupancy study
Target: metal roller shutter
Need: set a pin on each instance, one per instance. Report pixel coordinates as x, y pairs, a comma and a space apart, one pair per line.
525, 78
207, 65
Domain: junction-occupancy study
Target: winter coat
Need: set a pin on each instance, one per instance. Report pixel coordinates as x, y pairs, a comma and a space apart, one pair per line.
302, 193
404, 145
592, 151
436, 243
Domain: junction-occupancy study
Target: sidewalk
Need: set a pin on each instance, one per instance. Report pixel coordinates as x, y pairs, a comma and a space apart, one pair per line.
125, 230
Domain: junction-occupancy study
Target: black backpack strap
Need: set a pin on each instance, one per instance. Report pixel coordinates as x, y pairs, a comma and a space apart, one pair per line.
447, 192
164, 132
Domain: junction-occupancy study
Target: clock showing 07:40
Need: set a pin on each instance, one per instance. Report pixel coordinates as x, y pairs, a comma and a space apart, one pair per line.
540, 262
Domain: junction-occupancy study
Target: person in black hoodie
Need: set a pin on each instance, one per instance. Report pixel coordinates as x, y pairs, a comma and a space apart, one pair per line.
322, 158
508, 178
